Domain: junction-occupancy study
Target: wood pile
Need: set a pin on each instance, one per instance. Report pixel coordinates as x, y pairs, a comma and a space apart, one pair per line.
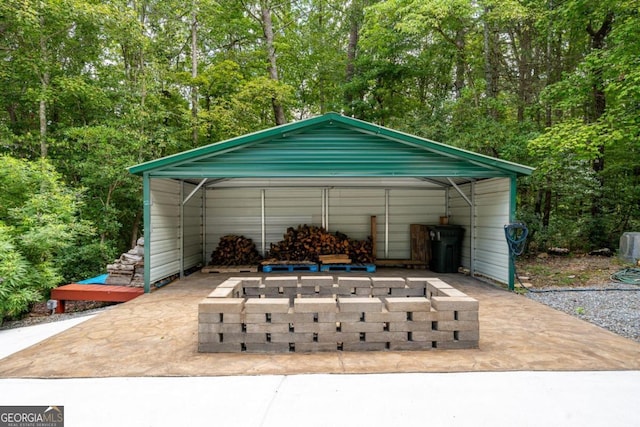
309, 242
235, 250
128, 270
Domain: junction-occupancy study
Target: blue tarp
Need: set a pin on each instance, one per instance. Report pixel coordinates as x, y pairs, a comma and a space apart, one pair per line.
98, 280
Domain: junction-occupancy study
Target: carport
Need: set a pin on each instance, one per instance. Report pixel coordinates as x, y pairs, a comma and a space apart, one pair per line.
332, 171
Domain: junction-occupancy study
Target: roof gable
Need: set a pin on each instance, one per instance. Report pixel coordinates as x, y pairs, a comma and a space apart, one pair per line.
328, 146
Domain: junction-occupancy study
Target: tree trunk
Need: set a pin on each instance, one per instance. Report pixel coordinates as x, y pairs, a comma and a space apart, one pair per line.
355, 16
267, 28
194, 74
461, 63
45, 78
599, 100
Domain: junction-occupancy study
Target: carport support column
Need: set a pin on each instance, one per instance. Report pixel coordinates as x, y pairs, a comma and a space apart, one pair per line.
513, 182
146, 210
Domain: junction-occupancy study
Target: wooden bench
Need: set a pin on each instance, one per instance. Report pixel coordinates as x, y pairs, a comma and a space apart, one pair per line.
104, 293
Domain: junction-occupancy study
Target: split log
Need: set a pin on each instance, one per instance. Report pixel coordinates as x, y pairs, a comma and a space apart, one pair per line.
308, 243
235, 250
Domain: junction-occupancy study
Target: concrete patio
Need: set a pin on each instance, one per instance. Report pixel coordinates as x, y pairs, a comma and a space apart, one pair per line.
156, 335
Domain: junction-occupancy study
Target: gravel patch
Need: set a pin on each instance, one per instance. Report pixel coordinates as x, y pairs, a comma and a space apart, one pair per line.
606, 306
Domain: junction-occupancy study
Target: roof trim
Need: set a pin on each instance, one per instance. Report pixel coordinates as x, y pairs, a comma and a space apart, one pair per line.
355, 124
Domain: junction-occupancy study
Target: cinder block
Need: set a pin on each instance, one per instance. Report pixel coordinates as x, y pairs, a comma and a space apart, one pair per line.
339, 317
454, 303
267, 305
307, 290
363, 292
459, 345
428, 316
380, 292
411, 304
354, 282
364, 346
385, 316
344, 291
267, 328
281, 282
316, 347
209, 318
457, 325
337, 337
326, 281
417, 282
219, 348
237, 338
386, 336
204, 337
314, 327
269, 347
451, 292
232, 317
388, 282
221, 305
220, 328
223, 293
361, 327
253, 291
468, 335
256, 317
360, 305
409, 326
271, 292
439, 336
466, 315
327, 291
249, 281
292, 337
437, 283
292, 317
314, 305
231, 283
410, 345
407, 292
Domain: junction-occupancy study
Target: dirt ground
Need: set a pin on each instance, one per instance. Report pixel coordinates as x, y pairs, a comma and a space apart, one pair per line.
581, 270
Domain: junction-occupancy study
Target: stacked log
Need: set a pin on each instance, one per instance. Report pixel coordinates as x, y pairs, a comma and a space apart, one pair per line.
309, 242
235, 250
128, 270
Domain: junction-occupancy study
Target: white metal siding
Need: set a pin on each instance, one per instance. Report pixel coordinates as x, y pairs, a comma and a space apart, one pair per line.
408, 207
233, 211
460, 214
290, 207
164, 245
492, 199
192, 241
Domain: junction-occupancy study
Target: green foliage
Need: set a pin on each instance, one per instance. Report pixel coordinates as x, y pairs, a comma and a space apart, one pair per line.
36, 227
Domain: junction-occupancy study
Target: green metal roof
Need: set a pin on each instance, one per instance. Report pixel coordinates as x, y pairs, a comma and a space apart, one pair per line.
330, 145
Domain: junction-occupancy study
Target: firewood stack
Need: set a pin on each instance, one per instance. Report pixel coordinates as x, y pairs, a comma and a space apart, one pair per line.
128, 270
235, 250
308, 242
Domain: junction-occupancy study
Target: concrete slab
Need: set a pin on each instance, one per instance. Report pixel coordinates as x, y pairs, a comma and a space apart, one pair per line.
156, 335
581, 399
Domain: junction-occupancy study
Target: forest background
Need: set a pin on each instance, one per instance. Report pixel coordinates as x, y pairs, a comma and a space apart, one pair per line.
90, 87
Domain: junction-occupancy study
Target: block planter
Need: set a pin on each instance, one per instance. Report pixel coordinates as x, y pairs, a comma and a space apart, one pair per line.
320, 313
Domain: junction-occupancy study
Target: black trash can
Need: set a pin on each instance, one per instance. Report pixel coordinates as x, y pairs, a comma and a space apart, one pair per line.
446, 248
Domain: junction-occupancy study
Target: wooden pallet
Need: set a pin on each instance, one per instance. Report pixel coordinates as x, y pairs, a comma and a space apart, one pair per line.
369, 268
270, 268
230, 269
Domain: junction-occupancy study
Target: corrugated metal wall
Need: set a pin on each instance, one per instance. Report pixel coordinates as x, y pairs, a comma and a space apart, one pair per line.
239, 211
165, 229
491, 212
492, 200
193, 227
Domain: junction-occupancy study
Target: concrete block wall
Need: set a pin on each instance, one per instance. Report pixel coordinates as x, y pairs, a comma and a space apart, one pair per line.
320, 313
